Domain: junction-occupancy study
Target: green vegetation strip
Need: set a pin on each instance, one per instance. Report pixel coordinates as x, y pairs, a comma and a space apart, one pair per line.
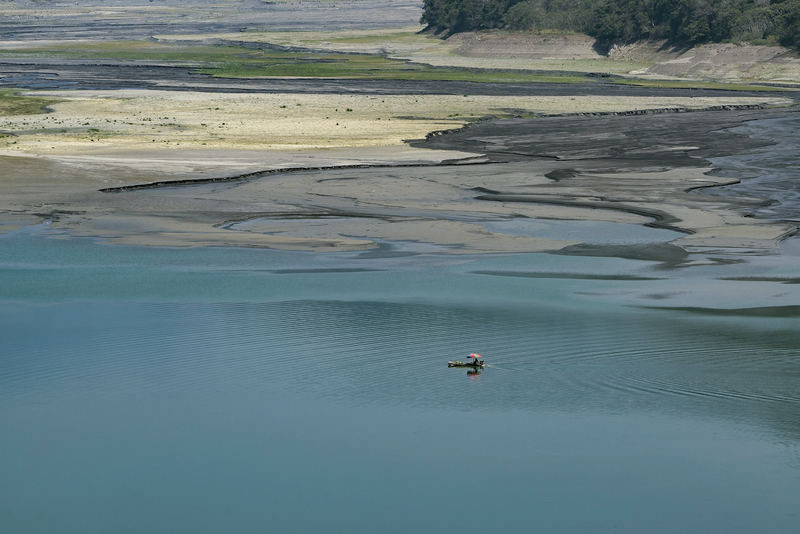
231, 61
239, 62
13, 104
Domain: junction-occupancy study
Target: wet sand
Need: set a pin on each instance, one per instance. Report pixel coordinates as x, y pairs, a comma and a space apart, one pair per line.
642, 169
626, 160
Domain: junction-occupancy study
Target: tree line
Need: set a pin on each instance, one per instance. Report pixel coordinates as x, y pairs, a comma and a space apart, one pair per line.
619, 21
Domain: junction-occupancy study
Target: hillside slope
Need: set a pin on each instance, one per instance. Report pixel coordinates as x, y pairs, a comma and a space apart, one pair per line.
623, 21
723, 61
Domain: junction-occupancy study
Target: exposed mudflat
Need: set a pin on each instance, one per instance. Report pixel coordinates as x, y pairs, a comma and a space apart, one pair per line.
641, 169
35, 73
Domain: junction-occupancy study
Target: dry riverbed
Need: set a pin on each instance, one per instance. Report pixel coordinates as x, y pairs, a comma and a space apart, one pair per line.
56, 164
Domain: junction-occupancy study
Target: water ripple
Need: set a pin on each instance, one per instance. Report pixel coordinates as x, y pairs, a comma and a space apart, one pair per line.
366, 352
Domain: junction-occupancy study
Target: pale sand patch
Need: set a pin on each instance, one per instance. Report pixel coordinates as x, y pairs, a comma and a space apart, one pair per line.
435, 205
727, 62
15, 221
521, 51
712, 221
342, 235
755, 235
582, 65
121, 166
201, 235
354, 209
165, 120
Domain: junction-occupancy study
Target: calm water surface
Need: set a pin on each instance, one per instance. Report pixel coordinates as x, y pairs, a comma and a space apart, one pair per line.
167, 390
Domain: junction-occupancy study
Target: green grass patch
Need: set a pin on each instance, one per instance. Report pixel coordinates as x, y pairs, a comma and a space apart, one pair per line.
232, 61
13, 104
132, 50
240, 62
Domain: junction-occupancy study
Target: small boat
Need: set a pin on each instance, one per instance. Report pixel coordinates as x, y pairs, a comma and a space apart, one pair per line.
476, 364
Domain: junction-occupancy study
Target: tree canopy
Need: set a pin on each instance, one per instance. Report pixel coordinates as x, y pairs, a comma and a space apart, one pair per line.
615, 21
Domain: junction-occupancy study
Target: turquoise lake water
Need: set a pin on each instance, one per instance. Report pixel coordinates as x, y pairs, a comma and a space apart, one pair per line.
211, 390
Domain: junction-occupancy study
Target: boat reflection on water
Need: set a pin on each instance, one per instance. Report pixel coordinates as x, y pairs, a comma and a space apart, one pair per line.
475, 365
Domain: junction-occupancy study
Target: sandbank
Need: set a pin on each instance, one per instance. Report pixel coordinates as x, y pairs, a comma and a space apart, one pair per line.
355, 181
143, 119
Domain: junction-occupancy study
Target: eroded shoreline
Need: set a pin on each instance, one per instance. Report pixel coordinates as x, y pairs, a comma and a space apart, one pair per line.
330, 168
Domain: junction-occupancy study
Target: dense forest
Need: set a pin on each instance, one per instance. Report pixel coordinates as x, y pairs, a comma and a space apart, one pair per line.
617, 21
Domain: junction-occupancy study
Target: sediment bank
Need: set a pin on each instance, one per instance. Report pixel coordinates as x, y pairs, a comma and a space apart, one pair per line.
324, 164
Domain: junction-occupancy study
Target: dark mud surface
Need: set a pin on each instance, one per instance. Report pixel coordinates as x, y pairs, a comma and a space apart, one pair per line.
610, 143
46, 73
771, 171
